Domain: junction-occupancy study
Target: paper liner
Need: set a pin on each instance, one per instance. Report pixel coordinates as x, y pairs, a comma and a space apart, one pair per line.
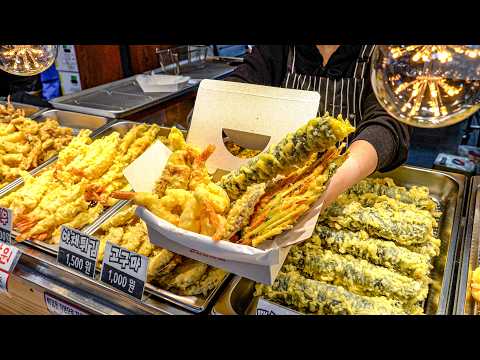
266, 254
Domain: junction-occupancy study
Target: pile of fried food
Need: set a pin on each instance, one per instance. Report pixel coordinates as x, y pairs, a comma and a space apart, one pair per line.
239, 151
259, 200
475, 284
184, 194
25, 143
371, 253
76, 189
167, 270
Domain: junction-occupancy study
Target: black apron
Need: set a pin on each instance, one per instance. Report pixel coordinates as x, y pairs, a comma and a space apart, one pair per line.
337, 96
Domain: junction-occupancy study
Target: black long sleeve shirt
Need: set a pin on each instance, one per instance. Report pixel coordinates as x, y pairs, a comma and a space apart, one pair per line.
267, 65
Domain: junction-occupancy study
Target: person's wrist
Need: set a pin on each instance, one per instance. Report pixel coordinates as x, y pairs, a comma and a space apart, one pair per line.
365, 157
382, 140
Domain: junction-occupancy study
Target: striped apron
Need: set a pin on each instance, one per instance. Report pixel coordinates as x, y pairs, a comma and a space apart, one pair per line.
337, 96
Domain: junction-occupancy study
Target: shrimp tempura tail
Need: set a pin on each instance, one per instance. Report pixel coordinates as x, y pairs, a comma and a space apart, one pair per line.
123, 195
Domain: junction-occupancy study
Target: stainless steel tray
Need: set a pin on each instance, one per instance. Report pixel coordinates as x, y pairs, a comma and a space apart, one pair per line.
447, 189
29, 110
125, 97
469, 255
120, 126
72, 120
196, 304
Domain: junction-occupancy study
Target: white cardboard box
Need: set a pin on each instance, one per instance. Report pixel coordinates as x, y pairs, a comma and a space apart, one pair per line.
245, 110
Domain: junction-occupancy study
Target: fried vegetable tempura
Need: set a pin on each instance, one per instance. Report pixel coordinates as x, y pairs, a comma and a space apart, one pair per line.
25, 143
373, 244
239, 151
292, 152
475, 284
279, 209
75, 190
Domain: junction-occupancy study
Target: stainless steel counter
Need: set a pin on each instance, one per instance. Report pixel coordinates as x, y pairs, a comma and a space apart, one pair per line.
125, 97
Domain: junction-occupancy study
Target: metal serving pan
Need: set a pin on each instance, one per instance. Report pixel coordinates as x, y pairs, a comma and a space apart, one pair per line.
72, 120
196, 304
447, 189
470, 254
29, 110
121, 127
125, 97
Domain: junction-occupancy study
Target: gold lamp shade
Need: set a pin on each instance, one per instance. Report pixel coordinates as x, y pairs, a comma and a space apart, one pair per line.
27, 60
427, 85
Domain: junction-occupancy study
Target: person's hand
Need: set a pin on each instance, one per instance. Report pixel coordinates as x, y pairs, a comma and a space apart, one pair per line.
361, 162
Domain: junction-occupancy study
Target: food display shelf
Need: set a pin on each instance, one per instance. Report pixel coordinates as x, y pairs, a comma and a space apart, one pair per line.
43, 275
75, 121
43, 251
469, 254
447, 189
196, 304
38, 265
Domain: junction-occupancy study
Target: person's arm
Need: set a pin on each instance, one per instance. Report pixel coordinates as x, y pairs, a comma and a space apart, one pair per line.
381, 143
360, 163
389, 137
265, 65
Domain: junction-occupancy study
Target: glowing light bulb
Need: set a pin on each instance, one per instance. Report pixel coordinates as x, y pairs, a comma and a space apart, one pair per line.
427, 85
27, 60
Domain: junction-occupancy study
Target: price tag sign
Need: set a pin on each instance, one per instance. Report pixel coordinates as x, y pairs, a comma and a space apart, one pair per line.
59, 307
265, 307
9, 256
124, 270
78, 251
6, 216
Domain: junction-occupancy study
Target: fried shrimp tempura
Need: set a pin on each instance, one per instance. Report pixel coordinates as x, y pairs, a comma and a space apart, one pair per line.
184, 195
75, 189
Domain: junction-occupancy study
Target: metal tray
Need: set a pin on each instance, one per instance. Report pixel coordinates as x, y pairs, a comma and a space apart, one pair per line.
470, 254
447, 189
29, 110
73, 120
121, 127
117, 99
196, 304
125, 97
